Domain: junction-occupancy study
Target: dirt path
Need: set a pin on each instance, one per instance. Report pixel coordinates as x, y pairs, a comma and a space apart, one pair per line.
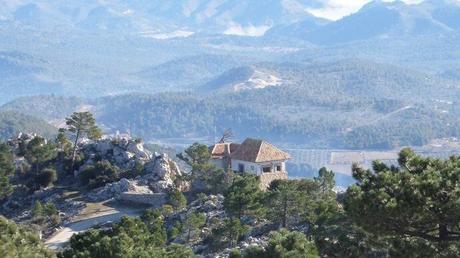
381, 118
90, 217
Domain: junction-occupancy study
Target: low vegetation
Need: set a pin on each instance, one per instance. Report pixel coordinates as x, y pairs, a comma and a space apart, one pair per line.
17, 241
405, 210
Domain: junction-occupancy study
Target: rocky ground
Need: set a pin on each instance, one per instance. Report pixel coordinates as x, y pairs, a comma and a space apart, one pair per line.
213, 209
81, 209
17, 207
160, 174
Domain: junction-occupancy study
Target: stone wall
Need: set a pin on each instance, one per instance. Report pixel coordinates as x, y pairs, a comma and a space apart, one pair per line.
267, 178
155, 199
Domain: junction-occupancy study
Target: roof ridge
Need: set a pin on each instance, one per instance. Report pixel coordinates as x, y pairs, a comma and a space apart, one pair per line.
258, 151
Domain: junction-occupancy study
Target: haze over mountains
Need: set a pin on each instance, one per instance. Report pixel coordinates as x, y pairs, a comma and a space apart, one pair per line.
122, 120
232, 17
149, 17
264, 68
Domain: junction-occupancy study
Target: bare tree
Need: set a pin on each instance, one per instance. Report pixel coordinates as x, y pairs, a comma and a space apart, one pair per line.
228, 134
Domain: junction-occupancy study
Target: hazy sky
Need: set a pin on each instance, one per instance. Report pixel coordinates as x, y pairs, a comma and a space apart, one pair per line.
336, 9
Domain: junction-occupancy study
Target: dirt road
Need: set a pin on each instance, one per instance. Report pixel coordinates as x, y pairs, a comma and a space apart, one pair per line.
62, 237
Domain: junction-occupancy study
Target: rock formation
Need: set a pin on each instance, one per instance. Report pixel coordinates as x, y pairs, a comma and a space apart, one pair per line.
160, 175
122, 152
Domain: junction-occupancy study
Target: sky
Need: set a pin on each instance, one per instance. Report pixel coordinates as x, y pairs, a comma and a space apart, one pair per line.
336, 9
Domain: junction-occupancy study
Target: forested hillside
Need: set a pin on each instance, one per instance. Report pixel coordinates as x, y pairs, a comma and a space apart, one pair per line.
47, 107
23, 75
110, 111
12, 123
348, 104
188, 72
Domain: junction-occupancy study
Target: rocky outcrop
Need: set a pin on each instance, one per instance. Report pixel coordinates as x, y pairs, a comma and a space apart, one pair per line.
114, 190
21, 138
122, 152
160, 175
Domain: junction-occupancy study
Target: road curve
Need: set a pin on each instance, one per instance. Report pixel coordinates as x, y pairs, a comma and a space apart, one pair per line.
59, 239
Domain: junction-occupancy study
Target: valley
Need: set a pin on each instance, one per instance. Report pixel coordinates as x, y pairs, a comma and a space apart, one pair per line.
229, 128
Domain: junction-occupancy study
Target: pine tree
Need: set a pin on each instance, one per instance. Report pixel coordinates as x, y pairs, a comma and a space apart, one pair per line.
325, 180
193, 222
283, 202
6, 170
18, 241
197, 154
285, 244
419, 200
177, 199
243, 197
39, 152
82, 124
234, 230
46, 177
37, 210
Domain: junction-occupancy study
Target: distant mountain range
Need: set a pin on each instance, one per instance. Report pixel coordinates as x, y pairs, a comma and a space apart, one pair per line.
163, 19
243, 17
384, 76
380, 19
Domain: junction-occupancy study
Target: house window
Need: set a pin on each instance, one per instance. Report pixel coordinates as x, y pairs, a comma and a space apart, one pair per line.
278, 168
267, 169
241, 168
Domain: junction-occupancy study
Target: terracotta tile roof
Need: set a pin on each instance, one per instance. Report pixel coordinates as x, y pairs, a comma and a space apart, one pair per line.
220, 150
253, 150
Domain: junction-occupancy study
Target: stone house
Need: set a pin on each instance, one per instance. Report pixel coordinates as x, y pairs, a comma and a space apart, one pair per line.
253, 156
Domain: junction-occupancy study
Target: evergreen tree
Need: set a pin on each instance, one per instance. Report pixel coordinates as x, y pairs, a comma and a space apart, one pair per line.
197, 154
17, 241
219, 181
50, 209
6, 170
39, 153
418, 201
62, 141
154, 221
283, 201
193, 222
233, 230
46, 177
206, 176
129, 238
100, 174
325, 179
243, 197
284, 244
82, 124
198, 158
177, 199
37, 210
